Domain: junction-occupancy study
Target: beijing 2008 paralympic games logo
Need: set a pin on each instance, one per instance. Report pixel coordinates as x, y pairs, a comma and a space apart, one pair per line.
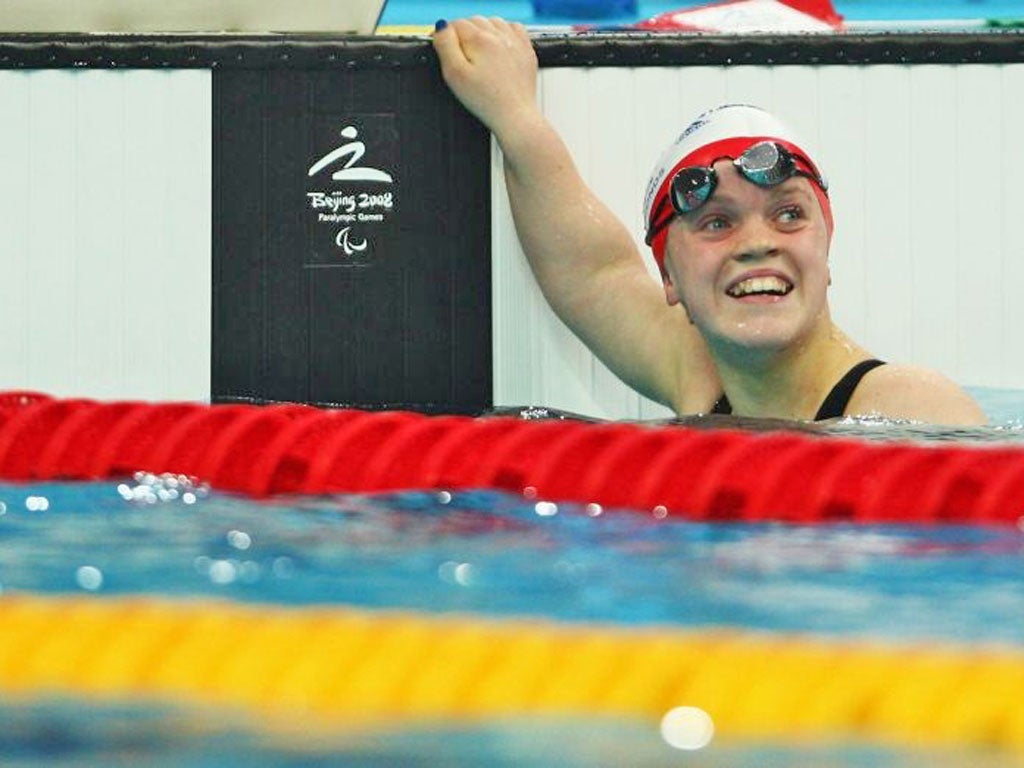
365, 195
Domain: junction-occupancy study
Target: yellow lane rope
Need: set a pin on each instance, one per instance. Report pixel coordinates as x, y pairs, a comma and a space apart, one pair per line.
344, 666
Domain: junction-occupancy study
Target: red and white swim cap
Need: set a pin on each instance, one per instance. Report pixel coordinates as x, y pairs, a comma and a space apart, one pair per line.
725, 131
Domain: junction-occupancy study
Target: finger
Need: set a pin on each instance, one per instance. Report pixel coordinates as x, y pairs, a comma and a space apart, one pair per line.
521, 33
511, 31
513, 34
503, 32
447, 44
475, 35
480, 22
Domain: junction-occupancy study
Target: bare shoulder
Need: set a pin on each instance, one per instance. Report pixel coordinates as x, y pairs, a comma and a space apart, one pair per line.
911, 392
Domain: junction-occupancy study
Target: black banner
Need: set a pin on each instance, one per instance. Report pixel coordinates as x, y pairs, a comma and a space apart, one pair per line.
351, 243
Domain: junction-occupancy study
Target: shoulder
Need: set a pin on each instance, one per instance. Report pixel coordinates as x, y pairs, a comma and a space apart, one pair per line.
911, 392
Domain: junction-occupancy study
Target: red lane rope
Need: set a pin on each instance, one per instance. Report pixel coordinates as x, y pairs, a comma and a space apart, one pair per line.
713, 474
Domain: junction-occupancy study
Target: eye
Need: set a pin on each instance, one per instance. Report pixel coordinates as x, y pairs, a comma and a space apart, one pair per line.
790, 214
714, 223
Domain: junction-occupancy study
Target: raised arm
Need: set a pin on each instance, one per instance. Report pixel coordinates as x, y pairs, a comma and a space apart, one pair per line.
585, 261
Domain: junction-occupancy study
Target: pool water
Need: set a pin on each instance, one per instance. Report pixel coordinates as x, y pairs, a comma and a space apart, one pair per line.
488, 554
495, 554
65, 734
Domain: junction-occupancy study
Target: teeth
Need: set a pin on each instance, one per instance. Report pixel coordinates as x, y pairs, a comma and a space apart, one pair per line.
773, 285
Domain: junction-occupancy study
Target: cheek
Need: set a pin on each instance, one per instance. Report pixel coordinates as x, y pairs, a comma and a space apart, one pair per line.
816, 275
693, 260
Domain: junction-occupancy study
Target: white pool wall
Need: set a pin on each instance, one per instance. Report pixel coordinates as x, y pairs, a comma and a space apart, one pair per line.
106, 216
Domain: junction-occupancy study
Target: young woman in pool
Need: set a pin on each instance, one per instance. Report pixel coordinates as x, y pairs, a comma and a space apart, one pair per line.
740, 224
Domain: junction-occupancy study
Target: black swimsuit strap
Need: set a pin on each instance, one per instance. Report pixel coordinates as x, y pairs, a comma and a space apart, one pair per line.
835, 402
722, 405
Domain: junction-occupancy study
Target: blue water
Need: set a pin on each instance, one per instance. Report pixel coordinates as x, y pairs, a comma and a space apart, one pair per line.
491, 554
66, 734
496, 554
419, 12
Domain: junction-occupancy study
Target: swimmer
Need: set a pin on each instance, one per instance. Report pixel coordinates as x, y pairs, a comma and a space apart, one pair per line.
739, 220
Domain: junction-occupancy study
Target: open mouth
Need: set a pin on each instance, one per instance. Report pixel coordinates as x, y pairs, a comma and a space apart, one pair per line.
768, 285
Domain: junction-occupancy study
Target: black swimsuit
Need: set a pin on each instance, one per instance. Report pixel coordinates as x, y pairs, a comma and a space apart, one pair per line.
835, 403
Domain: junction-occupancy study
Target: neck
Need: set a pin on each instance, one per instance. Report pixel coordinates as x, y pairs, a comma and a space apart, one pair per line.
790, 383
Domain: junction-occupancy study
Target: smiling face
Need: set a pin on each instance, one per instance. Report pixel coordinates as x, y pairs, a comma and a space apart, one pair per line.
751, 265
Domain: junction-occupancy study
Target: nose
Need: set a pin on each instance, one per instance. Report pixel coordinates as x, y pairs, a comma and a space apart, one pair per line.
758, 240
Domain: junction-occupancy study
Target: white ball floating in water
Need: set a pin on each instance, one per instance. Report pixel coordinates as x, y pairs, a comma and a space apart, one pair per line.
689, 728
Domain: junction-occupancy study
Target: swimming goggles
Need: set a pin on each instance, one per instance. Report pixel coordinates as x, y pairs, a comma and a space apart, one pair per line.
766, 164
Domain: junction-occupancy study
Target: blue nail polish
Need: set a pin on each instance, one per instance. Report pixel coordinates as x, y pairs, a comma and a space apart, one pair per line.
440, 24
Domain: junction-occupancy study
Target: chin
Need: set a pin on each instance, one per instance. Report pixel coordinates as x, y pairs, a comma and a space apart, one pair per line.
755, 336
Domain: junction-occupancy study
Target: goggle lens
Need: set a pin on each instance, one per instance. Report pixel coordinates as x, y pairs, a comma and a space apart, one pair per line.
692, 187
766, 164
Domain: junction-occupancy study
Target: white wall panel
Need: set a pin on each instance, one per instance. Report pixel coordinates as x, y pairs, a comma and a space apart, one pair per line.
840, 114
977, 238
52, 222
14, 214
98, 145
1007, 202
933, 294
105, 209
927, 258
885, 118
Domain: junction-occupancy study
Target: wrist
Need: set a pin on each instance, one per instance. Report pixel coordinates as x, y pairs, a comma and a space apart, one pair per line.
522, 131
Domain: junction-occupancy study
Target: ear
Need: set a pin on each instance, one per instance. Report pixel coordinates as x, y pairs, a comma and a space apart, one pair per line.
671, 294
